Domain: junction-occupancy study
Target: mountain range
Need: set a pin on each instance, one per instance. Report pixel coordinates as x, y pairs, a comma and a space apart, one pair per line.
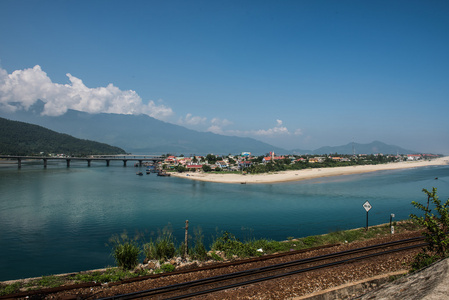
356, 148
142, 134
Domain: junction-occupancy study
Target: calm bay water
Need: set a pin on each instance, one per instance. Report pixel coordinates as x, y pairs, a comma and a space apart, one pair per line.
58, 220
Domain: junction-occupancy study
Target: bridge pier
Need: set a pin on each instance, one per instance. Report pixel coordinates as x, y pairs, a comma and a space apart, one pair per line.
138, 160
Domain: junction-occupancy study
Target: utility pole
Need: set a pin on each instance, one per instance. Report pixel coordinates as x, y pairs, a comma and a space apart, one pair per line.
186, 249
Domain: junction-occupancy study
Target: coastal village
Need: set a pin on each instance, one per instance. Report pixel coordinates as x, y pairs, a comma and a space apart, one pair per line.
246, 160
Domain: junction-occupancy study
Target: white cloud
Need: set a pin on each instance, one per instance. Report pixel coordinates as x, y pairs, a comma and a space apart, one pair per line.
22, 88
218, 124
277, 130
189, 119
272, 131
216, 129
298, 132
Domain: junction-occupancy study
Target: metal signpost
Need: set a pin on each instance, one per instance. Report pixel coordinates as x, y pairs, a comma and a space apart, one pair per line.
367, 207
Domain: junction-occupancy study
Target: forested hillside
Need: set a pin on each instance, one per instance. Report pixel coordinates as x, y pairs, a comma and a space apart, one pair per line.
18, 138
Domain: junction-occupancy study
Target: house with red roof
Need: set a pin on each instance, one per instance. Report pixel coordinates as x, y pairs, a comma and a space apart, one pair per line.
194, 167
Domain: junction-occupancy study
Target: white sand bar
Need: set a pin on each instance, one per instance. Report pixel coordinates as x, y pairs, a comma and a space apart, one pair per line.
297, 175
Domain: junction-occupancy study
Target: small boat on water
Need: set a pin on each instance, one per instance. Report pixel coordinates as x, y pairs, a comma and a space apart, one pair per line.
150, 170
161, 173
139, 173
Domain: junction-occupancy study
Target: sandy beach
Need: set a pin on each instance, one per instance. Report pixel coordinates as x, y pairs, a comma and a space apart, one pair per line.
297, 175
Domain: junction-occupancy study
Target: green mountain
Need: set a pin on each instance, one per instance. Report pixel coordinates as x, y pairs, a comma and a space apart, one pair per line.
19, 138
142, 134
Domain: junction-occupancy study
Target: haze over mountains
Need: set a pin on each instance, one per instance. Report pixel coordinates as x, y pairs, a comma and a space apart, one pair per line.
142, 134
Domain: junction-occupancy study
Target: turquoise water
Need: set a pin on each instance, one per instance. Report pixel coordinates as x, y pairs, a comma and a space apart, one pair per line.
58, 220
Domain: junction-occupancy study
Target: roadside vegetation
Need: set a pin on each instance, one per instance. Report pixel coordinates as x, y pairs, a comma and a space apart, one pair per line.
435, 220
162, 253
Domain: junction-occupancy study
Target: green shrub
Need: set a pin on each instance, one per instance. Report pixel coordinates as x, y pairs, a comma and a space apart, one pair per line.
181, 250
231, 246
422, 260
6, 289
167, 268
127, 255
110, 275
149, 250
310, 241
165, 246
162, 249
125, 251
344, 236
436, 224
270, 246
215, 256
199, 251
49, 281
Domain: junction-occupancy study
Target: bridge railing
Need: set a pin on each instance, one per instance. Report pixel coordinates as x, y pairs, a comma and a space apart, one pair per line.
107, 158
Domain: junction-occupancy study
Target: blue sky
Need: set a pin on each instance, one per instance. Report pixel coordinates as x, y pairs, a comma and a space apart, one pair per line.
296, 74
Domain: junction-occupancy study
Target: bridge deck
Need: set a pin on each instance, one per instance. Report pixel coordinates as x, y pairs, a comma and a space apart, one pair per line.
106, 158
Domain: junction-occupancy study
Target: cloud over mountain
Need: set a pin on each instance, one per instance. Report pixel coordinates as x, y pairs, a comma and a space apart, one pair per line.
22, 88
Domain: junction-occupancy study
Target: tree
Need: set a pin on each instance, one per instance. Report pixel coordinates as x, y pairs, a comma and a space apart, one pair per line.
211, 159
436, 225
286, 161
181, 168
206, 168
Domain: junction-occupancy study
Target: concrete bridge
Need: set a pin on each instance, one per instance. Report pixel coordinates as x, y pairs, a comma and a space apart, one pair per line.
107, 158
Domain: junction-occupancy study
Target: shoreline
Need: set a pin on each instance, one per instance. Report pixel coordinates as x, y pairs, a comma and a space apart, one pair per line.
305, 174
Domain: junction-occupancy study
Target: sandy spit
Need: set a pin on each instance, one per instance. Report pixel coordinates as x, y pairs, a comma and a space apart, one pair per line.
297, 175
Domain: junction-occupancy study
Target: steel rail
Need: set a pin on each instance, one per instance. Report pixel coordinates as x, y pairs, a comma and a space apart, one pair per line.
293, 272
220, 278
46, 291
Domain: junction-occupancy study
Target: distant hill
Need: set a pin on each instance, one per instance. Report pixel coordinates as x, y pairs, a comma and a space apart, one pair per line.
142, 134
19, 138
371, 148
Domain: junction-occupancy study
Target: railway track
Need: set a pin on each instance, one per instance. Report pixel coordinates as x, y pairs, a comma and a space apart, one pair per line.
39, 294
238, 279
